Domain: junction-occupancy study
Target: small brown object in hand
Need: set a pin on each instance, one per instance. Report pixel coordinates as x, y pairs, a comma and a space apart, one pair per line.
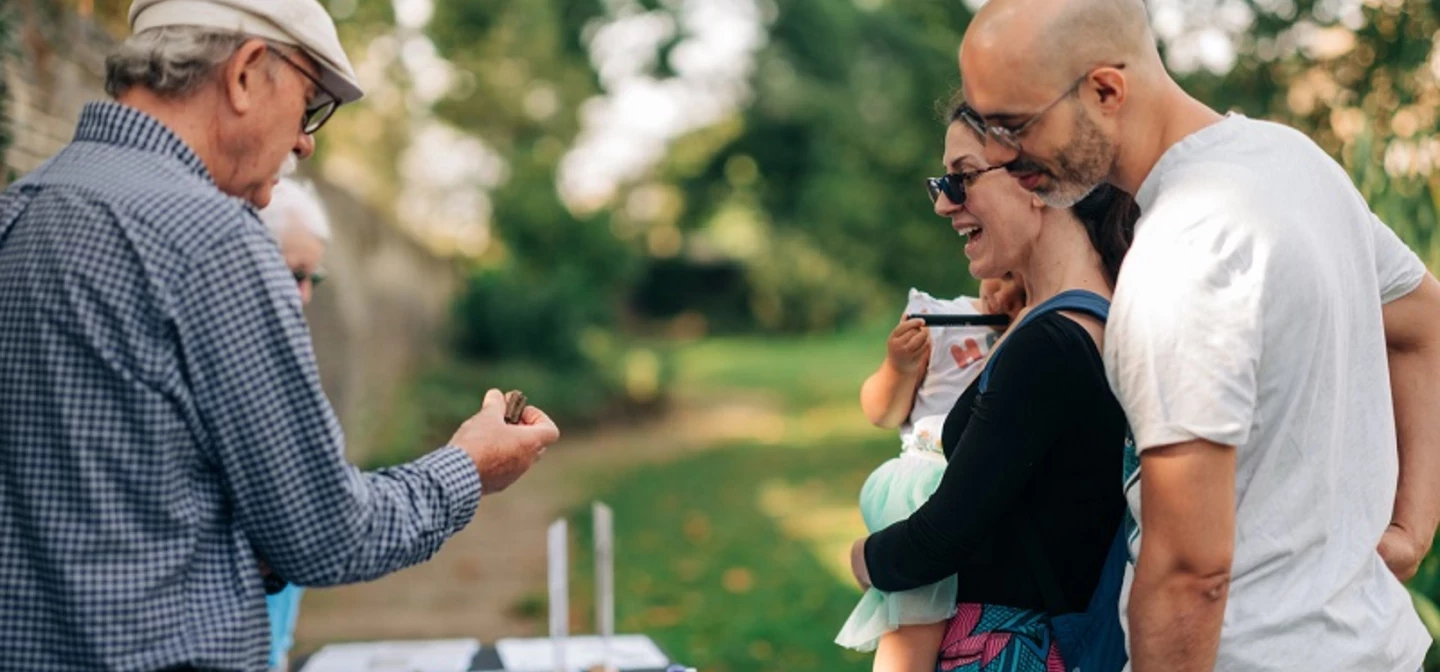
514, 406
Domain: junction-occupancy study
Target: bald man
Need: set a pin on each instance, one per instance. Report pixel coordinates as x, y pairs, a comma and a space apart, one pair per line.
1275, 347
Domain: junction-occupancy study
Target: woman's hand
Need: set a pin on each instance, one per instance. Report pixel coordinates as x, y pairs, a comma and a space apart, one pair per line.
908, 348
857, 563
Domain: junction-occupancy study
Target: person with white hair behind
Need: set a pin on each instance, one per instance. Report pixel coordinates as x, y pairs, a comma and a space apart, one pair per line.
296, 218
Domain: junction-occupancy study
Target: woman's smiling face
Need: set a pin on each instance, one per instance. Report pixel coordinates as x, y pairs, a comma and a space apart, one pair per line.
999, 219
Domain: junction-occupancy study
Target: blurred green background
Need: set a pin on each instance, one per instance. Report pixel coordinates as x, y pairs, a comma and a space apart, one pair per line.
652, 200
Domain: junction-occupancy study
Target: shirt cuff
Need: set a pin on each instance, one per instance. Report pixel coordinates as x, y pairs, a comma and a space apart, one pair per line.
878, 578
459, 480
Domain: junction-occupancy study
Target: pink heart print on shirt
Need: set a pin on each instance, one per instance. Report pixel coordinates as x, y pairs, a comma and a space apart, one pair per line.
967, 355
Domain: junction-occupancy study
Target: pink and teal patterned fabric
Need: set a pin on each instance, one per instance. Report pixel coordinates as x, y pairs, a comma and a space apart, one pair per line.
993, 638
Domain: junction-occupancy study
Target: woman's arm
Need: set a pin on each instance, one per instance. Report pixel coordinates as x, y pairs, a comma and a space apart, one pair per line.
1033, 385
889, 393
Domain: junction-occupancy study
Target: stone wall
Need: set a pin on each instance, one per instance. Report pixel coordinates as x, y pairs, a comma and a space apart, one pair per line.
382, 310
56, 68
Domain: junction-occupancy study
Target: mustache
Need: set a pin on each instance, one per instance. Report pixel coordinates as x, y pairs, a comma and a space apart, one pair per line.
288, 168
1024, 166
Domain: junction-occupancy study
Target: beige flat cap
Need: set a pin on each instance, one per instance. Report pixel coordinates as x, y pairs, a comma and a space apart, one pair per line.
299, 23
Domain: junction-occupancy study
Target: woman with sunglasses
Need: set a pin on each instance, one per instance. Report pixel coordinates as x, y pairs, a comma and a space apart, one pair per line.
1035, 459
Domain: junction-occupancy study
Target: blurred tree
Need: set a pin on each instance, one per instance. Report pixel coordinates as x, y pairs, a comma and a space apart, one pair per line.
845, 122
547, 290
525, 73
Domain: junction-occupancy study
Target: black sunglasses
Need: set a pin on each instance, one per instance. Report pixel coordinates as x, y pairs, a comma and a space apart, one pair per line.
317, 113
953, 184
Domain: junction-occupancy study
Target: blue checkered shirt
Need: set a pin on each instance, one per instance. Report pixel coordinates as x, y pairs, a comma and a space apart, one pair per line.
162, 422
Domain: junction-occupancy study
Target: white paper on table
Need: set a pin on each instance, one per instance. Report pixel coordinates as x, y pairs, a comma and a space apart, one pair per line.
440, 655
630, 652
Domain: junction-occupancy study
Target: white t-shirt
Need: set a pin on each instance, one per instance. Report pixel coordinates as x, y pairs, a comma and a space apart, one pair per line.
957, 354
1248, 314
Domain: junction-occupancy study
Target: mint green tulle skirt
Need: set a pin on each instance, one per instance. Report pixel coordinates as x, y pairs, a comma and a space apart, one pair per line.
891, 494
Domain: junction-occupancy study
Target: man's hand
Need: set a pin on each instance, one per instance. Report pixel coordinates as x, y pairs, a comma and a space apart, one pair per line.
908, 348
503, 453
1003, 296
1401, 551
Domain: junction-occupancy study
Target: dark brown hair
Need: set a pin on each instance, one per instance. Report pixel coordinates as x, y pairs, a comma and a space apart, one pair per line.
1108, 213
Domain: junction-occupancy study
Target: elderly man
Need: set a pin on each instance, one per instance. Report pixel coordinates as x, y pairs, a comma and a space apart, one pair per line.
1275, 347
162, 426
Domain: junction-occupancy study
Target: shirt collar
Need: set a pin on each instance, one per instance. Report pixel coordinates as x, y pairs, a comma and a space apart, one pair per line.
1149, 190
124, 126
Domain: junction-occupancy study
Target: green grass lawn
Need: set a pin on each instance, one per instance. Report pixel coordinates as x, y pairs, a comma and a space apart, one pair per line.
734, 559
801, 371
731, 560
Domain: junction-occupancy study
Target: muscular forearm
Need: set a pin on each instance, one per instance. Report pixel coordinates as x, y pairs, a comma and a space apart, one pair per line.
1412, 340
1415, 385
1187, 547
1175, 620
888, 395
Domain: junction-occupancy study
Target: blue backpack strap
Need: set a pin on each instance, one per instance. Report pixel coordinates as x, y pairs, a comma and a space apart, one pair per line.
1073, 300
1089, 636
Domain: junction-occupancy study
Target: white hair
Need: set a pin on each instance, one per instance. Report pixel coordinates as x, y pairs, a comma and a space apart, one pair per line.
293, 202
170, 61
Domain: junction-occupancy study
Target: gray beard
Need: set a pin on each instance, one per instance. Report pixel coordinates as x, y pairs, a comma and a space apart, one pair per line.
1066, 195
1081, 167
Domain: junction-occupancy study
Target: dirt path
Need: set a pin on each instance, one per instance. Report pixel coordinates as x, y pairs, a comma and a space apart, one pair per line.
471, 588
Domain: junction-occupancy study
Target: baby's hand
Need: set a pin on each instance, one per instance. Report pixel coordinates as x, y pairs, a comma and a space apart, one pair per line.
908, 348
1003, 296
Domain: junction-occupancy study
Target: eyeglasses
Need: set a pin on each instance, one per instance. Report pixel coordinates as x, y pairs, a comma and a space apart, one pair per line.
953, 184
317, 113
315, 277
1009, 138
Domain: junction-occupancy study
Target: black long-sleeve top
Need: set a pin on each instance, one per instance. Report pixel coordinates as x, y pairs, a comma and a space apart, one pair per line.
1038, 453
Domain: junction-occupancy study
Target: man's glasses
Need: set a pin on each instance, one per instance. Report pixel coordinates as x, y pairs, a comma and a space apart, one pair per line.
317, 113
953, 185
1009, 138
315, 277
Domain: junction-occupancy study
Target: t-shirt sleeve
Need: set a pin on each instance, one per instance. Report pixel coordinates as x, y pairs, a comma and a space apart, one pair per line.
1037, 376
1182, 345
1397, 266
